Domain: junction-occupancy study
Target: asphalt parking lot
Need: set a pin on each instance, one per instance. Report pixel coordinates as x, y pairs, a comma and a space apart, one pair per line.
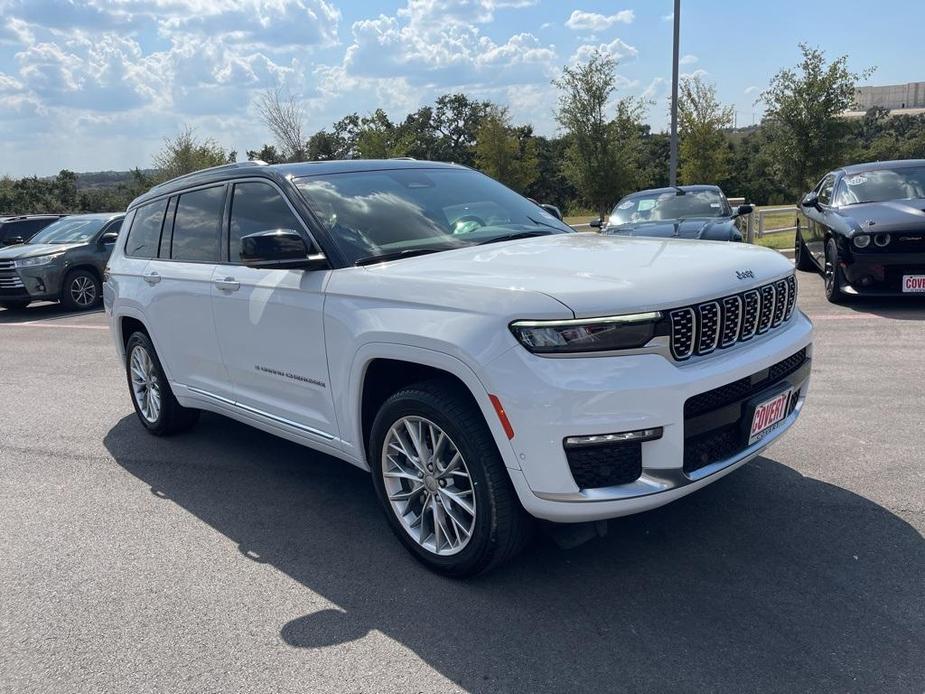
228, 560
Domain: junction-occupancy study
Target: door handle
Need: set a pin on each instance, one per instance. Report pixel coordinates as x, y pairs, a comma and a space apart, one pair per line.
152, 277
229, 284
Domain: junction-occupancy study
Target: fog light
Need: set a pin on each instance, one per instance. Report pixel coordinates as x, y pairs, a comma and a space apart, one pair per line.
861, 241
882, 240
638, 435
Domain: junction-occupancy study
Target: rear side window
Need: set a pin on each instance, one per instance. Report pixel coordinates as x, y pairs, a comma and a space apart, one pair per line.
197, 226
256, 207
145, 233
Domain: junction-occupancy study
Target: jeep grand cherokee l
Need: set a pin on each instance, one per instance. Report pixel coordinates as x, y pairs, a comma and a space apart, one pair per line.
63, 262
484, 362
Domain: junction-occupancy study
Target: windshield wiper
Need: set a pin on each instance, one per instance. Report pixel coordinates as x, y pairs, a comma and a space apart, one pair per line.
515, 235
397, 255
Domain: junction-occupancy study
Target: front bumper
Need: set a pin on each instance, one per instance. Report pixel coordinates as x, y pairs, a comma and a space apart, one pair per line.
30, 284
550, 399
881, 273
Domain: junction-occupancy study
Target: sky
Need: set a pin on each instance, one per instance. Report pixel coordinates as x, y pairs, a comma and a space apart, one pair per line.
93, 85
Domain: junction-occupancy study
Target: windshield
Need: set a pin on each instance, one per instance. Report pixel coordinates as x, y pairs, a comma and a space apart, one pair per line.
656, 207
69, 230
903, 183
379, 213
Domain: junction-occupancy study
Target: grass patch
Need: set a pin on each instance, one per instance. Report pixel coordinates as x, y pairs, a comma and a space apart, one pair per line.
776, 241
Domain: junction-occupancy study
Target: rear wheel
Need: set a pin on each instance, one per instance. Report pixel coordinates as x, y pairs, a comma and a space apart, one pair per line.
81, 291
801, 258
833, 275
154, 402
442, 483
14, 305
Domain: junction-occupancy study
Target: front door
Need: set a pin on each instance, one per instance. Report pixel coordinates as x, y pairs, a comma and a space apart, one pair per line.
180, 311
270, 323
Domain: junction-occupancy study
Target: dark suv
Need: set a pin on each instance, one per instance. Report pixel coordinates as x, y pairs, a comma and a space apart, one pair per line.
21, 228
63, 262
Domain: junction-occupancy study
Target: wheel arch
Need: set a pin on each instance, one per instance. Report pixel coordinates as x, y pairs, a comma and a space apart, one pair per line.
89, 267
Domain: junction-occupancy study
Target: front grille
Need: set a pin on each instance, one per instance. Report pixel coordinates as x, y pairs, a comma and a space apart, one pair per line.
704, 327
605, 464
722, 410
11, 283
7, 265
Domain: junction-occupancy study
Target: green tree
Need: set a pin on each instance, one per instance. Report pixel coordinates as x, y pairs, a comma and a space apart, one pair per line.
702, 120
505, 153
456, 119
808, 133
603, 156
186, 153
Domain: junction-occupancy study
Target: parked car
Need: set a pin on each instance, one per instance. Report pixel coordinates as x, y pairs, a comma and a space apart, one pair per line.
863, 227
20, 228
63, 262
482, 360
687, 212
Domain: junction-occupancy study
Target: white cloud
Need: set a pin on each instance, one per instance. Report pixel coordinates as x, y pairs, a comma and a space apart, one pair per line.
668, 17
617, 48
700, 72
688, 59
655, 89
751, 89
592, 21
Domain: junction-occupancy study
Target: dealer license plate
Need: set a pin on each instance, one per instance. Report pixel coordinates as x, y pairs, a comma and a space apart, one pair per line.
768, 415
914, 284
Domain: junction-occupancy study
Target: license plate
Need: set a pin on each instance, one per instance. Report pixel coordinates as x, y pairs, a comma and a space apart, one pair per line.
768, 415
914, 284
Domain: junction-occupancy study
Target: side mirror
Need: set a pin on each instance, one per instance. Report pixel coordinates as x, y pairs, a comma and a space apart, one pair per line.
13, 240
743, 210
596, 223
109, 237
553, 210
279, 249
811, 199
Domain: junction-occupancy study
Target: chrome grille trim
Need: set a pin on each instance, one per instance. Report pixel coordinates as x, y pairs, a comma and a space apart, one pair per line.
11, 283
704, 327
7, 265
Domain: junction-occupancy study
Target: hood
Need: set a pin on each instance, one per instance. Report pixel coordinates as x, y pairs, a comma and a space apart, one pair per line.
709, 228
27, 250
591, 274
892, 216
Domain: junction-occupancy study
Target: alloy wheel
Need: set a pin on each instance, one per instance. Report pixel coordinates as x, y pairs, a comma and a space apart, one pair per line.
83, 291
145, 384
428, 485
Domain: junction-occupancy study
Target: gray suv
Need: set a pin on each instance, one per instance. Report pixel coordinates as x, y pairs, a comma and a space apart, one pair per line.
63, 262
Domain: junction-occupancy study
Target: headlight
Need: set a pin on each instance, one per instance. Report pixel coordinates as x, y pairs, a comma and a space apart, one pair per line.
882, 240
861, 241
587, 334
37, 260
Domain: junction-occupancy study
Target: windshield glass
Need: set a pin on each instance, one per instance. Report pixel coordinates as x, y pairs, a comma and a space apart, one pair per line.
903, 183
656, 207
373, 213
69, 230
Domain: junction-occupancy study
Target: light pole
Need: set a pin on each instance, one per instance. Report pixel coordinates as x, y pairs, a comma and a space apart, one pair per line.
673, 158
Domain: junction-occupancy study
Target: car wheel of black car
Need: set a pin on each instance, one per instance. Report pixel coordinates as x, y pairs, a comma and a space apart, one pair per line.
154, 402
442, 483
801, 257
14, 305
81, 291
833, 275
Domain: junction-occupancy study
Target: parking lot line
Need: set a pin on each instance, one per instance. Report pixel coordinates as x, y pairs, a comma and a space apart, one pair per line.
57, 326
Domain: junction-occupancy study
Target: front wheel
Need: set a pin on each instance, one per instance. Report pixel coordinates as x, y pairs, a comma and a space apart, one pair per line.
801, 258
81, 291
442, 483
833, 275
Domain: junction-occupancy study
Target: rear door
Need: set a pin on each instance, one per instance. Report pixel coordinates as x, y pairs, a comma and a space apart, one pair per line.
180, 310
270, 322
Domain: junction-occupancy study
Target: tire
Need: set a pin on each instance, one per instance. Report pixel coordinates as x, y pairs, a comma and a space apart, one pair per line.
801, 257
14, 305
161, 415
81, 291
833, 275
498, 527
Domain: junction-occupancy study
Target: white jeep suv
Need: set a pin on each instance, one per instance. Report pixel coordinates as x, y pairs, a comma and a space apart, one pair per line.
481, 359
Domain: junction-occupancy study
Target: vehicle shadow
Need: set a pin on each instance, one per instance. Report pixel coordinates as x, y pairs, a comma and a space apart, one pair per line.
42, 311
766, 580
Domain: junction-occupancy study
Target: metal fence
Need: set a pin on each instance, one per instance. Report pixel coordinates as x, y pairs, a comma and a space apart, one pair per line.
757, 226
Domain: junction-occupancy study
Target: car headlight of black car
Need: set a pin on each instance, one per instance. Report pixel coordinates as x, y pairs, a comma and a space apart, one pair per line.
37, 260
587, 334
861, 241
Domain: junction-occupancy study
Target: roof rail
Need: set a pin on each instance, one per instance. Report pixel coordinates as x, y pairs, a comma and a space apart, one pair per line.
221, 167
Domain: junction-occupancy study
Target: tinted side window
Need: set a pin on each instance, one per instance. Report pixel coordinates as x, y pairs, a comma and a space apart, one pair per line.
197, 226
256, 207
825, 190
145, 233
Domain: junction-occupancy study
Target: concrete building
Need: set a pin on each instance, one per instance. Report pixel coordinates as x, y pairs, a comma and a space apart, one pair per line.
899, 99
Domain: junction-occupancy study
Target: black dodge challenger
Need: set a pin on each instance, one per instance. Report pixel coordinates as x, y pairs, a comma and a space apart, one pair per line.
863, 227
687, 212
